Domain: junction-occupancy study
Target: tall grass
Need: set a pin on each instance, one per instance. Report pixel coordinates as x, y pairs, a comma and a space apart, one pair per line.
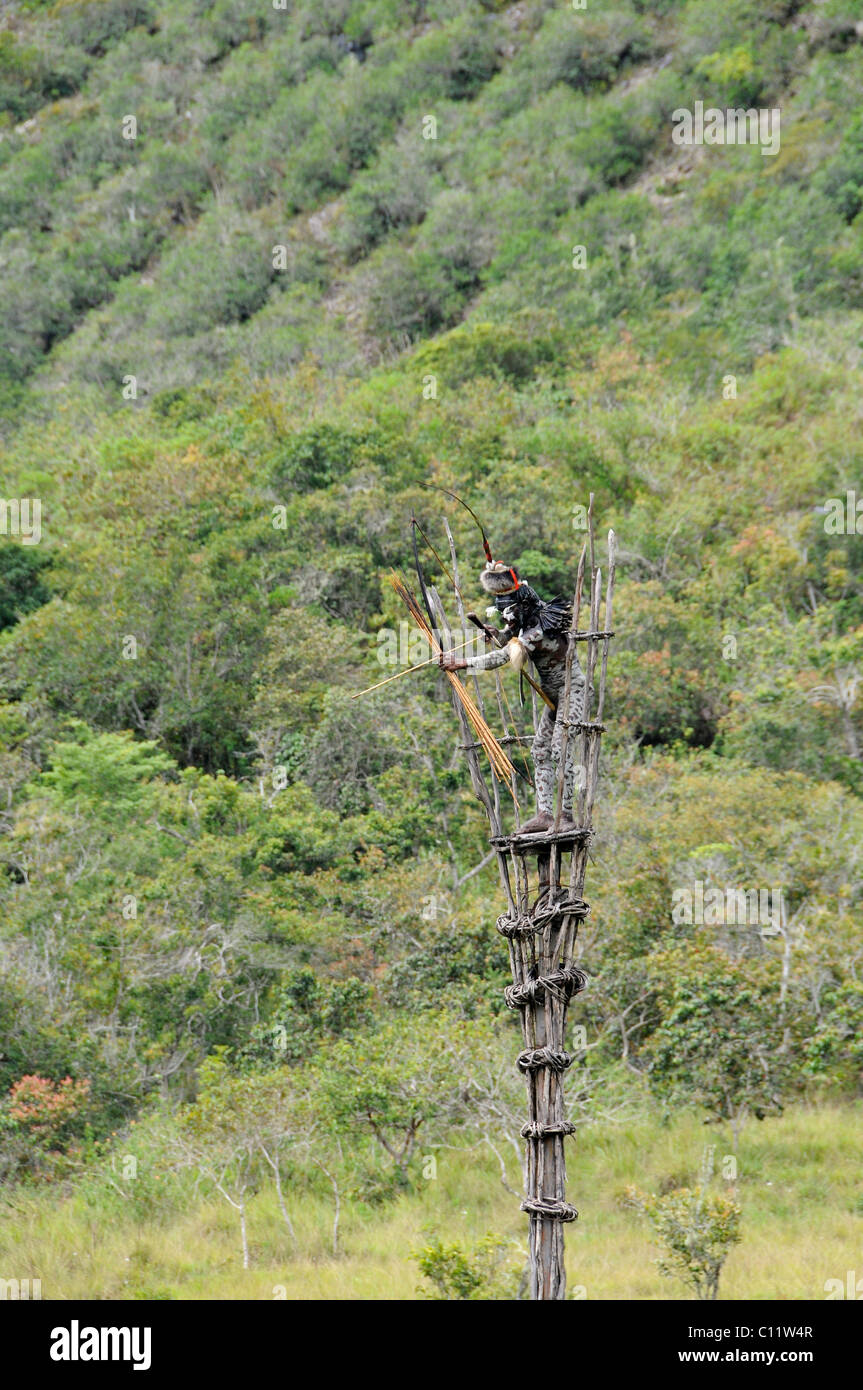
798, 1183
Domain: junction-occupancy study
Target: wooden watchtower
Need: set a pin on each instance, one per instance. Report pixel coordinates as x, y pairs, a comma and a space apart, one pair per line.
543, 882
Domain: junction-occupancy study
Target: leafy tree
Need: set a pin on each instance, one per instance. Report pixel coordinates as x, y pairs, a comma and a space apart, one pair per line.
308, 1012
842, 176
239, 1123
720, 1038
833, 1051
106, 774
22, 587
404, 1077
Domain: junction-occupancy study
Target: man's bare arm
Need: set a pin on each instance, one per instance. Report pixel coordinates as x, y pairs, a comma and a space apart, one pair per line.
488, 662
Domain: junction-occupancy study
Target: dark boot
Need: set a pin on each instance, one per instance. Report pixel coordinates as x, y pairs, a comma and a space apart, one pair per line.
566, 824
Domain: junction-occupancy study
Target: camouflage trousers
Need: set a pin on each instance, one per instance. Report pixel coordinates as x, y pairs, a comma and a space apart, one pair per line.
547, 746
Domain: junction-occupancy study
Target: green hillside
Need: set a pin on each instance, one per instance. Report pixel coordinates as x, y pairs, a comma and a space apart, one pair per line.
264, 273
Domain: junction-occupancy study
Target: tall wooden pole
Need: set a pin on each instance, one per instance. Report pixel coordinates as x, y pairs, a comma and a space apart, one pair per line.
542, 932
544, 913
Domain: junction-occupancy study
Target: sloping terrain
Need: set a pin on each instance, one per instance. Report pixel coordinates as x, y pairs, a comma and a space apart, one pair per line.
265, 272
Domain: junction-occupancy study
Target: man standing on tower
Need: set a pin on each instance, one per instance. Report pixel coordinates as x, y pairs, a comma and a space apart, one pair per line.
538, 631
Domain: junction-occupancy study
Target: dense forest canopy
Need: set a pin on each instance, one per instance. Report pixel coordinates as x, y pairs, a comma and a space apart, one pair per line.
265, 271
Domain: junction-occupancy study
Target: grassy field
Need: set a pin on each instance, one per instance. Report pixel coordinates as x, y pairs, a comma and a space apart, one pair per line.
798, 1184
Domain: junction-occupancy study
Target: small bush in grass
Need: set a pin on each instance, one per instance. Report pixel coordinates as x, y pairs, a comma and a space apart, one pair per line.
696, 1228
487, 1270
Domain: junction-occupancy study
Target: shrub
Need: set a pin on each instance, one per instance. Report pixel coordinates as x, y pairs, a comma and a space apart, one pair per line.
30, 75
697, 1229
47, 1110
734, 77
842, 178
314, 458
222, 278
415, 291
39, 1120
395, 193
585, 50
456, 61
484, 349
21, 585
95, 26
457, 1272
